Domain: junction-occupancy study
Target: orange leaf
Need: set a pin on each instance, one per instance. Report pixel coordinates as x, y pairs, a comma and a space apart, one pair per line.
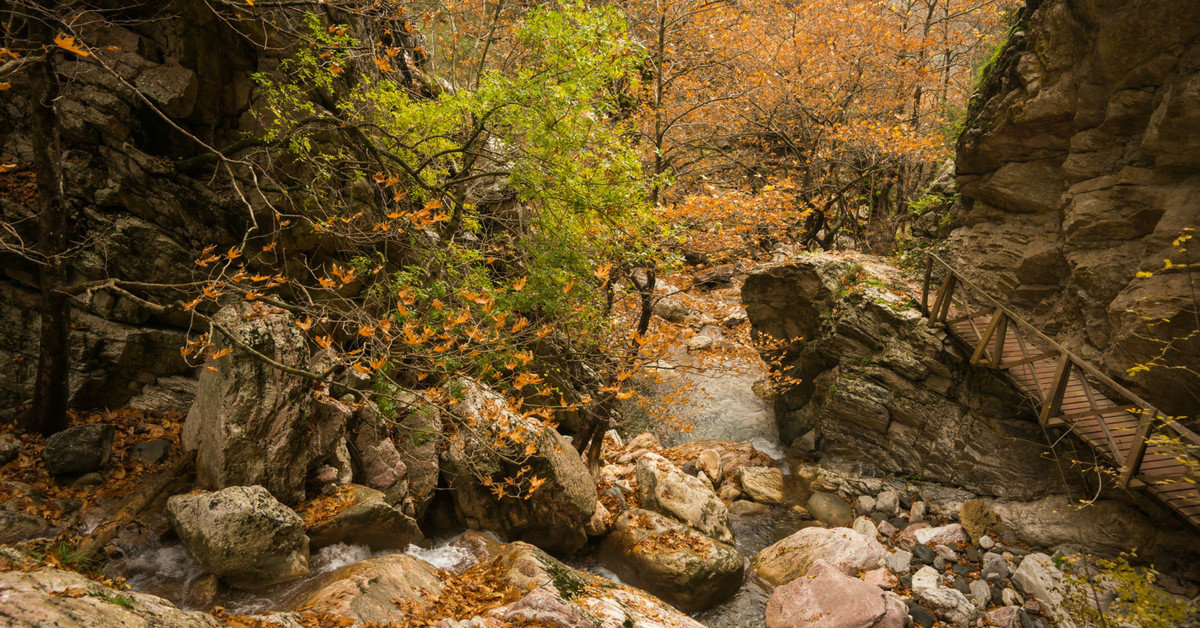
66, 42
366, 331
305, 324
252, 295
323, 341
269, 247
222, 353
519, 284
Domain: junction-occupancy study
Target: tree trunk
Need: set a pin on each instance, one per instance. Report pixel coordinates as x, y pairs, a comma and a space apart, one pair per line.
49, 414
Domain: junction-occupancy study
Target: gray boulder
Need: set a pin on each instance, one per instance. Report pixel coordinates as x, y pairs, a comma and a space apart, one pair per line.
554, 516
80, 449
841, 548
10, 447
665, 489
366, 518
678, 564
241, 534
253, 423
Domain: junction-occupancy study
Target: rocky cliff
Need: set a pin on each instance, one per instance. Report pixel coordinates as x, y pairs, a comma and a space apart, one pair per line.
864, 381
164, 86
1079, 167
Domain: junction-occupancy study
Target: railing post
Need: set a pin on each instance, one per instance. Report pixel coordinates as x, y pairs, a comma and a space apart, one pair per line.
942, 293
1137, 450
1001, 339
925, 285
1058, 387
981, 348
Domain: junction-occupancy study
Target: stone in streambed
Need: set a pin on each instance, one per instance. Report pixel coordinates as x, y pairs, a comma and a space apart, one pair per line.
365, 518
665, 489
842, 548
762, 484
667, 558
241, 534
830, 508
826, 597
80, 449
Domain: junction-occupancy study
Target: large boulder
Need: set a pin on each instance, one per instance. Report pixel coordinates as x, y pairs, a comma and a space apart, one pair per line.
555, 514
54, 597
253, 423
762, 484
1040, 578
665, 489
841, 548
366, 590
362, 516
241, 534
670, 560
80, 449
416, 434
514, 584
828, 598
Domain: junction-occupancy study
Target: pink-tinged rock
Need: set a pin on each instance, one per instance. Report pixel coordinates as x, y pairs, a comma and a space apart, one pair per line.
887, 529
843, 548
827, 598
1004, 617
908, 536
942, 535
881, 578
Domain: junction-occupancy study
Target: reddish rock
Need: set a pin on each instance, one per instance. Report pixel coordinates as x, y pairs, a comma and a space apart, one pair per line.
827, 598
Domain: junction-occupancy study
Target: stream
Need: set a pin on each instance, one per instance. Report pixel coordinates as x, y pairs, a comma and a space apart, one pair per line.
721, 404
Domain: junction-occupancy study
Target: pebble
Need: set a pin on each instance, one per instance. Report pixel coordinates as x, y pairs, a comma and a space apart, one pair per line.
899, 561
980, 594
924, 553
898, 523
921, 616
917, 512
925, 579
961, 584
987, 542
887, 529
939, 563
974, 555
994, 567
1010, 597
1026, 620
960, 569
906, 580
888, 502
997, 595
945, 552
1032, 606
864, 504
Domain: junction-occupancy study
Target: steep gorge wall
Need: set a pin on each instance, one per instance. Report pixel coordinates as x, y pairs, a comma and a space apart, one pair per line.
1079, 167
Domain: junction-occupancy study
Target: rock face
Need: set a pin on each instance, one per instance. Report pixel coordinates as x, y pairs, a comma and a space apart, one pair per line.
555, 516
842, 548
884, 391
252, 423
80, 449
828, 598
241, 534
671, 560
665, 489
54, 597
1079, 166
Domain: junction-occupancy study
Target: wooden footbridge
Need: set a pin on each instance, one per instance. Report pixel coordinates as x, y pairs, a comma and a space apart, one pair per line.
1148, 449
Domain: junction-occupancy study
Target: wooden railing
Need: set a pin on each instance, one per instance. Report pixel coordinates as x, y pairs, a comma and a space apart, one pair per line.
1150, 449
